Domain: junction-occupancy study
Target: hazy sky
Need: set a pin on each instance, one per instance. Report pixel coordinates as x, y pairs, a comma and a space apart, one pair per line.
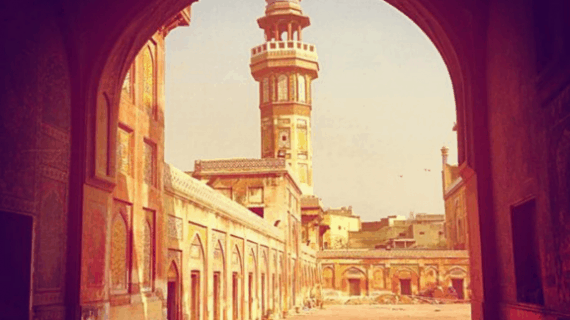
383, 104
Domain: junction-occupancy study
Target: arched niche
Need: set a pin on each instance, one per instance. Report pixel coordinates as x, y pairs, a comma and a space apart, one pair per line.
328, 278
378, 278
173, 294
197, 278
405, 281
354, 281
218, 280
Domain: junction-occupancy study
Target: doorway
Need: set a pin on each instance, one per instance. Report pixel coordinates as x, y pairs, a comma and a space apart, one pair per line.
405, 287
171, 301
195, 298
16, 253
354, 287
458, 286
216, 284
235, 291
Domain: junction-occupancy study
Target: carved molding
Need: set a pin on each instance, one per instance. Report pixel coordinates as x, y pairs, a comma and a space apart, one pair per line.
13, 204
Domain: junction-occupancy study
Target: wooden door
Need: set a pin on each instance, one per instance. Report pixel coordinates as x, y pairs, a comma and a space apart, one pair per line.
405, 287
216, 297
195, 298
235, 296
458, 286
354, 287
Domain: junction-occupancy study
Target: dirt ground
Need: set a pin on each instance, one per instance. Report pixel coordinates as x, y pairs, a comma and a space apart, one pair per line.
392, 312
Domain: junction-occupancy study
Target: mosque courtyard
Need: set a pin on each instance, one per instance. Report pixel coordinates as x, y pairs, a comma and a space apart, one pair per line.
392, 312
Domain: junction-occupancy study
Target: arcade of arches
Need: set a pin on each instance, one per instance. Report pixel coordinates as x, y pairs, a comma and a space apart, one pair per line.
67, 192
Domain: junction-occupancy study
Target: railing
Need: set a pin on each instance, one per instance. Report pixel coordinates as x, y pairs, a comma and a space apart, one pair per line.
283, 45
177, 181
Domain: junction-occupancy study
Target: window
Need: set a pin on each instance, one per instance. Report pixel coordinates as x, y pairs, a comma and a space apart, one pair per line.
149, 75
127, 90
422, 233
302, 89
526, 254
225, 191
284, 138
255, 195
258, 211
150, 162
124, 150
282, 88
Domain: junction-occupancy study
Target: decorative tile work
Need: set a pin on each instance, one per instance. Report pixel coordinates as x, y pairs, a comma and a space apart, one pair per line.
148, 248
125, 151
239, 165
267, 139
94, 243
284, 138
219, 238
54, 149
196, 249
148, 81
265, 90
51, 236
358, 253
119, 253
128, 85
54, 88
175, 227
149, 163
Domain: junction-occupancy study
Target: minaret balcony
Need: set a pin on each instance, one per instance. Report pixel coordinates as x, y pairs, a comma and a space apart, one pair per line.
277, 53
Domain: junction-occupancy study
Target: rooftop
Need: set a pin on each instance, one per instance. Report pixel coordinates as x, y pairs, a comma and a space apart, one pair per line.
240, 165
178, 182
311, 202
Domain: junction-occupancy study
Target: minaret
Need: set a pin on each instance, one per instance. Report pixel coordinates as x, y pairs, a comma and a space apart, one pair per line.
285, 66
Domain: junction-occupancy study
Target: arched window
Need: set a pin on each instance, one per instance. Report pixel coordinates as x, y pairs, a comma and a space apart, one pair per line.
119, 253
265, 90
302, 88
328, 278
282, 88
147, 254
148, 81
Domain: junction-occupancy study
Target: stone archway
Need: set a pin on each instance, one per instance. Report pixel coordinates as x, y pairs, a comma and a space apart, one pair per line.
197, 279
111, 34
354, 282
173, 293
219, 282
328, 278
405, 281
236, 283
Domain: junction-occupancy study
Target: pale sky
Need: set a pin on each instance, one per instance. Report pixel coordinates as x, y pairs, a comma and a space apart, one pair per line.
383, 104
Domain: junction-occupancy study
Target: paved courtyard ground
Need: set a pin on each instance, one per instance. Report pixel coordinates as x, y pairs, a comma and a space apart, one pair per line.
390, 312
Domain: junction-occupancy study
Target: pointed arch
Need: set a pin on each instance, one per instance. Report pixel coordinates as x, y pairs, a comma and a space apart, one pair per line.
328, 277
119, 253
149, 80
